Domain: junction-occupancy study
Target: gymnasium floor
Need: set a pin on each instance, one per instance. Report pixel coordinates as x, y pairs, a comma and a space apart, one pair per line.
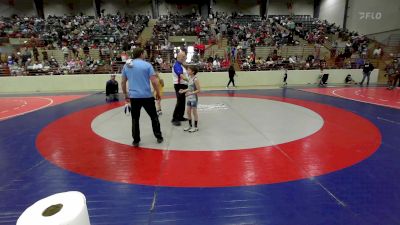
280, 157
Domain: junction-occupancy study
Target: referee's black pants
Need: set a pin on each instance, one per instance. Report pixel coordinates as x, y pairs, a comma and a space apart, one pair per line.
179, 111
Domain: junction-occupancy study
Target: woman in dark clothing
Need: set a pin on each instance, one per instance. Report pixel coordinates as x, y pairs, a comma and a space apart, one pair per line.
232, 74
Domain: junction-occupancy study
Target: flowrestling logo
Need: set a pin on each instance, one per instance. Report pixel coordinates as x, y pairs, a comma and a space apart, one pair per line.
370, 15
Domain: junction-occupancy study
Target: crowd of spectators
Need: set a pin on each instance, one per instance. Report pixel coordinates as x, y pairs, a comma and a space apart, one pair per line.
114, 36
241, 30
274, 62
75, 31
244, 33
356, 47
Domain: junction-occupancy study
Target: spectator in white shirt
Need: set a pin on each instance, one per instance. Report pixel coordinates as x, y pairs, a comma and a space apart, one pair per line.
377, 52
216, 64
270, 61
65, 51
292, 59
159, 60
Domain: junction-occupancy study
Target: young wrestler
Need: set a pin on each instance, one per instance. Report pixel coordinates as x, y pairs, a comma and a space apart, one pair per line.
192, 98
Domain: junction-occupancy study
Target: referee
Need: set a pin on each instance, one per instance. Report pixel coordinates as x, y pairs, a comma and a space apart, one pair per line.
180, 79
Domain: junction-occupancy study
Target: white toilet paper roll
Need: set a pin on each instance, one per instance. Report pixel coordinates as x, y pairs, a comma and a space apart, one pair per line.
67, 208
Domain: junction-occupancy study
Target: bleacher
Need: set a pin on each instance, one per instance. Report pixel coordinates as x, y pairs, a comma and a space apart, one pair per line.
218, 49
392, 45
246, 19
4, 71
308, 22
303, 50
4, 40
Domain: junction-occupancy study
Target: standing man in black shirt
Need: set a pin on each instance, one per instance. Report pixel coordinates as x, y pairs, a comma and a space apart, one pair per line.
180, 79
112, 89
232, 74
367, 69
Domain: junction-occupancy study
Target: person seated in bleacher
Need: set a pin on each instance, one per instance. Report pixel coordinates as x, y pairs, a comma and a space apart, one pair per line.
25, 55
71, 65
97, 63
259, 61
46, 65
377, 53
158, 60
16, 70
64, 68
292, 59
216, 64
291, 25
79, 65
89, 63
65, 51
347, 64
53, 62
245, 65
28, 64
359, 62
225, 63
112, 89
270, 62
10, 61
35, 53
124, 56
38, 66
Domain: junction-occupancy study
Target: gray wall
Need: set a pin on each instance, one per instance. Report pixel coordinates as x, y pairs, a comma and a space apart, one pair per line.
165, 8
332, 11
61, 7
389, 11
21, 8
300, 7
247, 7
127, 6
364, 16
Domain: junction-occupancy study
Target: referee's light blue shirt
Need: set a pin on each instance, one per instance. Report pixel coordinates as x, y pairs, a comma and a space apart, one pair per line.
138, 74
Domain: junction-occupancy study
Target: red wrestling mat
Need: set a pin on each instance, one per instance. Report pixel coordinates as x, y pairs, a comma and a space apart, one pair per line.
71, 144
15, 106
373, 95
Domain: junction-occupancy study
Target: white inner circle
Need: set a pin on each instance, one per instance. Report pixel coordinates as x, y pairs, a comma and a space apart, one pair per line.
225, 123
